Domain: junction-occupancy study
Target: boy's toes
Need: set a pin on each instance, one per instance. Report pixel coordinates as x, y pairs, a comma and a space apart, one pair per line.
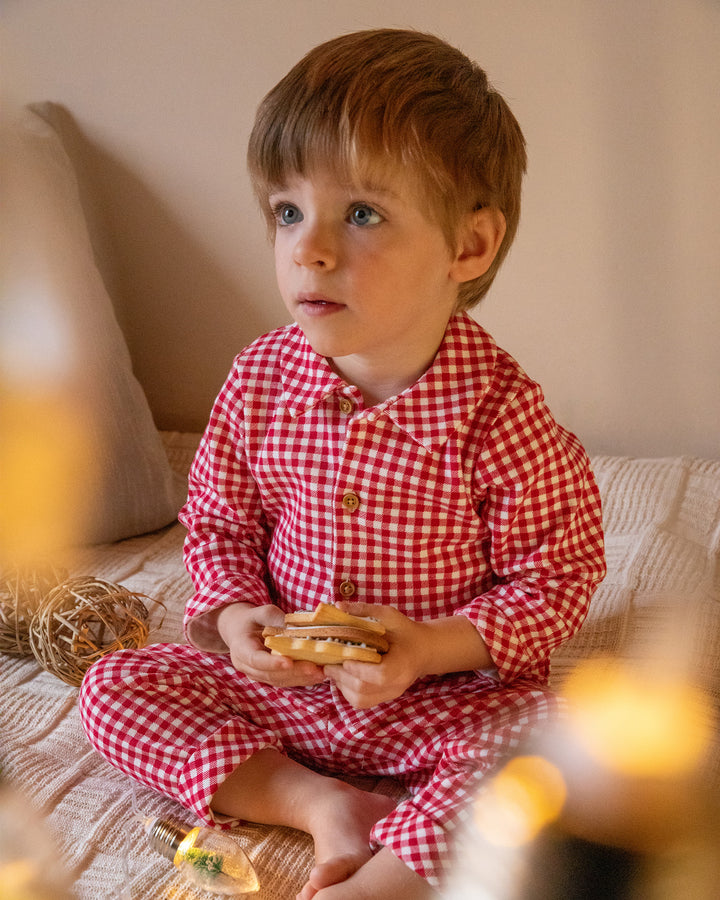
307, 893
335, 870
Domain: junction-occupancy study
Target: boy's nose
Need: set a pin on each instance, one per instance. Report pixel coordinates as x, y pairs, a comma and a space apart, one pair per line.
315, 249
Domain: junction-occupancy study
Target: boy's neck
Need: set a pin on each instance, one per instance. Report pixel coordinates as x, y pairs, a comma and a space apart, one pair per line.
374, 383
381, 376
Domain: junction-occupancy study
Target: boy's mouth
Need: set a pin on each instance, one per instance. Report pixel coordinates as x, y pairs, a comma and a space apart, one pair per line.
317, 303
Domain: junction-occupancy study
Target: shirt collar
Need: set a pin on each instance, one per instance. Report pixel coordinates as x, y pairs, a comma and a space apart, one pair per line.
439, 403
307, 378
429, 411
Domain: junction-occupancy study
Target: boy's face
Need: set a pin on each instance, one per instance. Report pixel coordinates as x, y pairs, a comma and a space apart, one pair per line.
366, 273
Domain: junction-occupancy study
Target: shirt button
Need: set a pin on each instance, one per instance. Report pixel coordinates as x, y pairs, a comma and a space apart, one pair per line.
347, 589
351, 501
346, 405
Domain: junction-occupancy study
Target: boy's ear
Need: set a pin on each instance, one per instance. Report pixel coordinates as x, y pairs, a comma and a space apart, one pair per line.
479, 239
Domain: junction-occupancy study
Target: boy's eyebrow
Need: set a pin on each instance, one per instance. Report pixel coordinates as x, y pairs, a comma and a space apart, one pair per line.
370, 184
373, 188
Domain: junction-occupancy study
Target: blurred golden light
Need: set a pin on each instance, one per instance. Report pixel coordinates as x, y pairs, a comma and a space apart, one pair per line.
43, 450
639, 722
527, 794
15, 877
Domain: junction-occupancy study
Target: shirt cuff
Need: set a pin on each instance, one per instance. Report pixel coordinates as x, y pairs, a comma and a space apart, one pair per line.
501, 639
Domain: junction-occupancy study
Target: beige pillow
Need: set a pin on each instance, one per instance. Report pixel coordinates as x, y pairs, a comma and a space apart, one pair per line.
80, 457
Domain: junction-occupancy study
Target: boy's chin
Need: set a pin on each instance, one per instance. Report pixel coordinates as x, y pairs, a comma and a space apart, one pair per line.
327, 347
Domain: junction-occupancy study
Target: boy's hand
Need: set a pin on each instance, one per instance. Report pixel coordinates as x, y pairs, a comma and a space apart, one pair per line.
435, 647
240, 625
366, 684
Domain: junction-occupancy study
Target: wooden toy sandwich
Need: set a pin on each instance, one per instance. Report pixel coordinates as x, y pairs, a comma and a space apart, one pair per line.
327, 636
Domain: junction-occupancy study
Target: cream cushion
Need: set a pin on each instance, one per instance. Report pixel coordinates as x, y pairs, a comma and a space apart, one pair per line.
75, 424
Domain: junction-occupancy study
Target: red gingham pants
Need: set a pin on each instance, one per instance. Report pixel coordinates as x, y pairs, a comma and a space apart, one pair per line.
180, 721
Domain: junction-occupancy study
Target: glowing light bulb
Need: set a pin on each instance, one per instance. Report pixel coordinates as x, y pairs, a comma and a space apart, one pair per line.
613, 800
209, 859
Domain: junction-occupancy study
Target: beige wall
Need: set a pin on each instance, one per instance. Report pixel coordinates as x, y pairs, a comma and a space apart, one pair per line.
610, 296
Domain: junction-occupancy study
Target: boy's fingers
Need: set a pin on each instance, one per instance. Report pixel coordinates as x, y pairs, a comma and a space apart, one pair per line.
381, 613
360, 672
269, 615
282, 672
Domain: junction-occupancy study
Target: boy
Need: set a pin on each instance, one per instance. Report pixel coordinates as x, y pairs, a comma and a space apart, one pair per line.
381, 453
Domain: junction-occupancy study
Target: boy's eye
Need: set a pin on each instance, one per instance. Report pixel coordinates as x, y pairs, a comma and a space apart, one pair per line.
364, 215
287, 214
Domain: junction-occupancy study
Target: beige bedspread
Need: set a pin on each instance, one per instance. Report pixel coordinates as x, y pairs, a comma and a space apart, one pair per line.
663, 534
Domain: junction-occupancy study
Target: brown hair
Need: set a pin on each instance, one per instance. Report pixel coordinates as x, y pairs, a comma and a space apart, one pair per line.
392, 96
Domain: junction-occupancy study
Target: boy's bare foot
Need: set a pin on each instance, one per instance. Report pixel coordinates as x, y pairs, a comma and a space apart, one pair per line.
383, 877
341, 833
272, 789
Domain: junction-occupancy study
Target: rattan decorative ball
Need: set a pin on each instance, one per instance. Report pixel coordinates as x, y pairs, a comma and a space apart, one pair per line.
83, 619
22, 590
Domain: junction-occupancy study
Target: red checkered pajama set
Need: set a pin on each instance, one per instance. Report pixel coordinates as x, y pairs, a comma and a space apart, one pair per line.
461, 496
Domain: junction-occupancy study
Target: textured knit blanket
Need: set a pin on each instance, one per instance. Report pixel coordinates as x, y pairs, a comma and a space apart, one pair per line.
662, 594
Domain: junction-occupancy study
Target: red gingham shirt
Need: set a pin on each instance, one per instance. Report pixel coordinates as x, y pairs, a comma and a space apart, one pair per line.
460, 496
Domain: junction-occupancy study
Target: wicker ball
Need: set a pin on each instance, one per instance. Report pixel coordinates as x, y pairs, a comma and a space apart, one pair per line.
22, 590
83, 619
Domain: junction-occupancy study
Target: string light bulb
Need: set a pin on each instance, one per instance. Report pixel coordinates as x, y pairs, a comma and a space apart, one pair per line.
613, 801
206, 857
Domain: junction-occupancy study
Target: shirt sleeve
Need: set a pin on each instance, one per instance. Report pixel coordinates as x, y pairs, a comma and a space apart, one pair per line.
228, 536
542, 508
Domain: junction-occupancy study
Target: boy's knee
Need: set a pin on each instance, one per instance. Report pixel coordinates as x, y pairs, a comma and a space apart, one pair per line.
99, 673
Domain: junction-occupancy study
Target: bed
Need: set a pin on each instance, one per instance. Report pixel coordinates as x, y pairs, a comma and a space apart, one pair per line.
661, 597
